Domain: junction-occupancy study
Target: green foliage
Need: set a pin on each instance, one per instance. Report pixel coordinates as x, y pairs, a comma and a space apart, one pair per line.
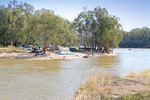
43, 26
136, 38
20, 24
66, 35
98, 29
47, 28
5, 26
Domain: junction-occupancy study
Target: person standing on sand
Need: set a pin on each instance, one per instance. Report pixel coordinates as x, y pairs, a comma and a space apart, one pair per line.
36, 53
92, 54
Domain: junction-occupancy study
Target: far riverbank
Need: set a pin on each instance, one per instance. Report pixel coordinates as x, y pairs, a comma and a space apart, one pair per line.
51, 55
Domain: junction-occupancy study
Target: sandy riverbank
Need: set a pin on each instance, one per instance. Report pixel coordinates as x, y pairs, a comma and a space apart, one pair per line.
50, 55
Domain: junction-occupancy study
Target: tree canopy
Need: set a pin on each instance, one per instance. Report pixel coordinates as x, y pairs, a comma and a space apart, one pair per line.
21, 24
98, 29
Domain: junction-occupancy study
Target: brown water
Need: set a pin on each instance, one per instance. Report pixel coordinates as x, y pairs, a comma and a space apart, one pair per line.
59, 79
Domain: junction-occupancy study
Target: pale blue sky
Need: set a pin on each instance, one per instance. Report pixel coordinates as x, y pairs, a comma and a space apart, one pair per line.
132, 13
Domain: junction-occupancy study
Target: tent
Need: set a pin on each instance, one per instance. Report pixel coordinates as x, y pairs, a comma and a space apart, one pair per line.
64, 53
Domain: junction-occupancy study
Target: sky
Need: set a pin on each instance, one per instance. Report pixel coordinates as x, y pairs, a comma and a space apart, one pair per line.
132, 13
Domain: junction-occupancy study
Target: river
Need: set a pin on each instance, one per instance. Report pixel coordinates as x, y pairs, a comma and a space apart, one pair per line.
59, 79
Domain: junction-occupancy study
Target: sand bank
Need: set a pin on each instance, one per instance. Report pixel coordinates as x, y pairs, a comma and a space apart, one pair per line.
50, 55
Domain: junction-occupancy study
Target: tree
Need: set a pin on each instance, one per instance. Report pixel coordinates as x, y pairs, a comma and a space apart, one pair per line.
18, 22
27, 10
98, 29
82, 26
44, 26
5, 26
66, 35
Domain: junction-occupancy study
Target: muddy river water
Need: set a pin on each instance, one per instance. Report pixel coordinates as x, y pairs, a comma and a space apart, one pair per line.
59, 79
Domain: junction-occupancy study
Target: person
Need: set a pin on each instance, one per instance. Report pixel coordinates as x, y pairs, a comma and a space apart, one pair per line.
45, 54
92, 54
31, 47
36, 53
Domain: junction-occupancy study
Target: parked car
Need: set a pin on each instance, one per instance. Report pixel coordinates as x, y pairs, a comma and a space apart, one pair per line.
58, 48
27, 48
73, 49
37, 49
81, 49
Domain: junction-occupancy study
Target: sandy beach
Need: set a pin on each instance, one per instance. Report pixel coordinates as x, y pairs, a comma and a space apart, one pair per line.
50, 55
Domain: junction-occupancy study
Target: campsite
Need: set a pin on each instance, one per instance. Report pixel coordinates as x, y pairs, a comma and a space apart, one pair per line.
74, 50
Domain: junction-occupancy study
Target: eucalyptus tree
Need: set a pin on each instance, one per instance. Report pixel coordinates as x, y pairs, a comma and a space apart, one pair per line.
67, 36
5, 26
98, 29
107, 30
82, 26
18, 23
44, 26
27, 10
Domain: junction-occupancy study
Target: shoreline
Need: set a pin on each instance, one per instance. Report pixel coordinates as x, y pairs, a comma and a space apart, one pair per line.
106, 87
51, 55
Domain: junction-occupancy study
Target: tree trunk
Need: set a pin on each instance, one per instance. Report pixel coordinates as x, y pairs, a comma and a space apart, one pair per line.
15, 43
84, 45
44, 49
5, 44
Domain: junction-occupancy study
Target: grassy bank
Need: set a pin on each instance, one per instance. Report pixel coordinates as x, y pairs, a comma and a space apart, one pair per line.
135, 86
134, 75
11, 49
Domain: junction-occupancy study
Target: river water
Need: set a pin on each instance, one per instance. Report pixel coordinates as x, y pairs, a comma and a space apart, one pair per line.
59, 79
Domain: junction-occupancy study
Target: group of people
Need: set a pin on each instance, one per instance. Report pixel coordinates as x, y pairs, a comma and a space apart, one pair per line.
92, 54
43, 54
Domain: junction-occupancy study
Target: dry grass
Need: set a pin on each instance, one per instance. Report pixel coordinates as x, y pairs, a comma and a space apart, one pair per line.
106, 87
11, 49
134, 75
94, 88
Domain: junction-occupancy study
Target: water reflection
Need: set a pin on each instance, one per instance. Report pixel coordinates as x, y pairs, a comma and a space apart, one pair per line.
11, 61
106, 61
24, 79
43, 65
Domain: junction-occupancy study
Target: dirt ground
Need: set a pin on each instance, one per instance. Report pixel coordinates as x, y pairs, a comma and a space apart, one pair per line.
99, 87
127, 86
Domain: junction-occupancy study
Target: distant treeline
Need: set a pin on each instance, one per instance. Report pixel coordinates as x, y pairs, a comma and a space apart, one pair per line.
136, 38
